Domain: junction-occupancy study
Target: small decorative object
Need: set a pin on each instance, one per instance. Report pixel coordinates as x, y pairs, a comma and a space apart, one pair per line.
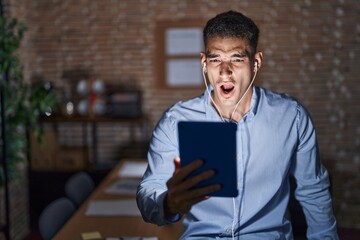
93, 103
82, 87
69, 108
83, 107
99, 107
98, 87
67, 102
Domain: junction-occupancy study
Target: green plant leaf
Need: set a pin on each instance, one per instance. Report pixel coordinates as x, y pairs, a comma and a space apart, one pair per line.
23, 103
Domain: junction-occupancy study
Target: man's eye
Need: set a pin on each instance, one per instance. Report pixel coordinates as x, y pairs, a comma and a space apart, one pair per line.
237, 60
214, 60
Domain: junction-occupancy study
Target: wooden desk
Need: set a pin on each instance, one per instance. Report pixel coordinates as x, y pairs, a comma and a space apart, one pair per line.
113, 226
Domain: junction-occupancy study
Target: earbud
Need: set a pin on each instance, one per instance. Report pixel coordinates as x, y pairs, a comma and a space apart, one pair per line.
256, 66
204, 66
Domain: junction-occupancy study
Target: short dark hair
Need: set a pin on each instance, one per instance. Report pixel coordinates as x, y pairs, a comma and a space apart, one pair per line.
232, 24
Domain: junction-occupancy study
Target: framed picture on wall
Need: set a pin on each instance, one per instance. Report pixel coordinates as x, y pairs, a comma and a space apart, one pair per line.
178, 47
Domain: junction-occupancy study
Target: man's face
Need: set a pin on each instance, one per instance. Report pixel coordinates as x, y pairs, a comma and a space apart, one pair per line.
229, 70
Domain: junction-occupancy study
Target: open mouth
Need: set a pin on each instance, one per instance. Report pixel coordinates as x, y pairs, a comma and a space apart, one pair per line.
227, 87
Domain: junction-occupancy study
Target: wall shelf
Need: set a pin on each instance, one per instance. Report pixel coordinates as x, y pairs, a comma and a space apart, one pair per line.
89, 131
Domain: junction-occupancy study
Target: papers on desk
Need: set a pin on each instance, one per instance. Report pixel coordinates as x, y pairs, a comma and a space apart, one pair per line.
132, 238
124, 186
126, 207
97, 236
133, 169
130, 174
91, 236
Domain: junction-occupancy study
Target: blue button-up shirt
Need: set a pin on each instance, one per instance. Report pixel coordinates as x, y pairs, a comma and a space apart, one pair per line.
275, 138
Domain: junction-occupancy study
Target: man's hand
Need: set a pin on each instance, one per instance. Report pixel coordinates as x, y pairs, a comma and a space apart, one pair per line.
181, 194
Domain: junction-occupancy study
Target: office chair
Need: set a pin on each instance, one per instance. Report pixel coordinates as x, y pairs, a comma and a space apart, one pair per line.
54, 216
79, 187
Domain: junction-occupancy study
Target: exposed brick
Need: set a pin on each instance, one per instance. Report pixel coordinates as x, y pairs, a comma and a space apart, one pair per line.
311, 51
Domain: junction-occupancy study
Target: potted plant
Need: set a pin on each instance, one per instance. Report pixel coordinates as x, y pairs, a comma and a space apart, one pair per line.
23, 102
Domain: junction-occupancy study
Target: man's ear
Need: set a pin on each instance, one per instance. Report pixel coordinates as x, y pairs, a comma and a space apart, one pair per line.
203, 61
258, 61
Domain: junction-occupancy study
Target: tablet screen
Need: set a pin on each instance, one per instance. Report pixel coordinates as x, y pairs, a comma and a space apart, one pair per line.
215, 144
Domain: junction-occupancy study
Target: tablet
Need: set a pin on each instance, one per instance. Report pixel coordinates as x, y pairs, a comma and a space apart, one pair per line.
215, 144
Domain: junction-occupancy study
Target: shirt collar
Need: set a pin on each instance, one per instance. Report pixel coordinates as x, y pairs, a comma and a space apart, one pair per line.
254, 102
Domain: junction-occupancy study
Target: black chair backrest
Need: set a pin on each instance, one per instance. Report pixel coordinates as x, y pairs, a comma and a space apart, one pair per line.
54, 216
79, 187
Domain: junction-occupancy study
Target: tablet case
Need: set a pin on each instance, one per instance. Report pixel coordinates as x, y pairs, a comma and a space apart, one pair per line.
215, 144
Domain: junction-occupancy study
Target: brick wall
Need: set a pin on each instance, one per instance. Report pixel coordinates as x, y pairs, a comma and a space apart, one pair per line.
19, 207
311, 51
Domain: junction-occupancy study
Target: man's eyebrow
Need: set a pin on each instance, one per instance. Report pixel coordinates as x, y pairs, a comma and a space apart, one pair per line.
240, 55
212, 55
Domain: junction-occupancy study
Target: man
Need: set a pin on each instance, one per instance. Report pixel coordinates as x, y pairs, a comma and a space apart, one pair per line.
275, 139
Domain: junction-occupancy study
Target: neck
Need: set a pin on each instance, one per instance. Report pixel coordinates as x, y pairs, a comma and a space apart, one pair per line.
242, 109
237, 111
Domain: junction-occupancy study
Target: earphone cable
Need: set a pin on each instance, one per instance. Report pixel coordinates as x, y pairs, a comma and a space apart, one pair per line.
231, 118
237, 104
212, 100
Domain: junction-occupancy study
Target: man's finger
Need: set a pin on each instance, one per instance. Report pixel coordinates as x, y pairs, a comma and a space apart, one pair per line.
182, 172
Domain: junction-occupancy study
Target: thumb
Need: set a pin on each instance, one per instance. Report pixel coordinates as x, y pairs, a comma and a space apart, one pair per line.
177, 164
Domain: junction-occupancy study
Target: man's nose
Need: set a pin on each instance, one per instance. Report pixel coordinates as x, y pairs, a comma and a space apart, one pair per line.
225, 69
